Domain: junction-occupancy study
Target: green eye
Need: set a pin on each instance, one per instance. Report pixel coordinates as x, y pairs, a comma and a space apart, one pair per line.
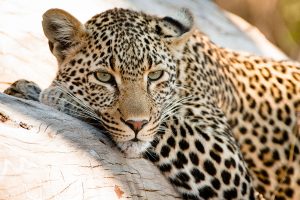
154, 76
103, 76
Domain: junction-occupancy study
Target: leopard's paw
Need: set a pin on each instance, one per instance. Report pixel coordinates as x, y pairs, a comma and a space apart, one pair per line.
24, 89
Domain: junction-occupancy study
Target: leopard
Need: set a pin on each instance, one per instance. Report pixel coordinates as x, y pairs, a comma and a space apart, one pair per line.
219, 124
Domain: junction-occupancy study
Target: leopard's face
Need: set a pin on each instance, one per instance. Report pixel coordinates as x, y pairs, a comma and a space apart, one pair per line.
124, 71
129, 87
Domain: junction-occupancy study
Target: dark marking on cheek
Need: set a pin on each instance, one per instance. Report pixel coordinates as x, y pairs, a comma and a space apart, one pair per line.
51, 46
112, 63
150, 62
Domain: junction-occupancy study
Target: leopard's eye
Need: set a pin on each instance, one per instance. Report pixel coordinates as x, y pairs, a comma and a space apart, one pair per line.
154, 76
103, 77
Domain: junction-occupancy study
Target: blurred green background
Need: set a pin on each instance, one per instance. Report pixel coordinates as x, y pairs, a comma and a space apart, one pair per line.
278, 20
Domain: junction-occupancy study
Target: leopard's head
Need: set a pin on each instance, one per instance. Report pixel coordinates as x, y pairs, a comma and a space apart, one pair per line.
121, 64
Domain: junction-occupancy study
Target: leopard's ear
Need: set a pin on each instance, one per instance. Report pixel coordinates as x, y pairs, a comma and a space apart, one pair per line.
177, 30
63, 31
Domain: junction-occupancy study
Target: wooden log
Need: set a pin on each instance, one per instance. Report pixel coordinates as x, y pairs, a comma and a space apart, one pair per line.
45, 154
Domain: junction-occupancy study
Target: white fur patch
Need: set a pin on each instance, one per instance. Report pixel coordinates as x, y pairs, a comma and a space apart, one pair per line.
133, 149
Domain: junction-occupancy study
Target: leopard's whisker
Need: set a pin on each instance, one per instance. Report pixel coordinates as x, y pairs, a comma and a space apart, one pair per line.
79, 108
73, 97
82, 114
149, 153
172, 107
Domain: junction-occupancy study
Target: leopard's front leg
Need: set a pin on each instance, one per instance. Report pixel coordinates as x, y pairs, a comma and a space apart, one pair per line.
201, 159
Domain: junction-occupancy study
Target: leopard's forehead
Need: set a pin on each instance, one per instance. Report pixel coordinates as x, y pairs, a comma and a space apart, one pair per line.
117, 18
127, 40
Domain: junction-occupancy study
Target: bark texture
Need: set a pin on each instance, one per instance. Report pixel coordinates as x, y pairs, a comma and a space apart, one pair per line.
46, 154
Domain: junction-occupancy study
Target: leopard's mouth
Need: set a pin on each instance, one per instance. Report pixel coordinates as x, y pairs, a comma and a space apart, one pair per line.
133, 148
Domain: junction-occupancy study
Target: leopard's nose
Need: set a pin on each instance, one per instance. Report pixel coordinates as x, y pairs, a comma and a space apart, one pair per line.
136, 125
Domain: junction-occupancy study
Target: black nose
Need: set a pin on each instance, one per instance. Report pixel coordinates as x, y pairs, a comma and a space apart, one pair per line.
136, 126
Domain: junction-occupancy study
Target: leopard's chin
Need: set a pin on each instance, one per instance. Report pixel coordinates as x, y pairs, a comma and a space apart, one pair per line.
133, 149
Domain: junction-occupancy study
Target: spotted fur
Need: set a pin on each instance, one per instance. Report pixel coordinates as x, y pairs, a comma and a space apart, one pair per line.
218, 124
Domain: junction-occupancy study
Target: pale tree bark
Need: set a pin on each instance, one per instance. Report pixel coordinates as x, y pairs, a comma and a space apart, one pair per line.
45, 154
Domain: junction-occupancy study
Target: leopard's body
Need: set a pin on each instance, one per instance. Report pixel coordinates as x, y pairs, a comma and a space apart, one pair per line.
217, 123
